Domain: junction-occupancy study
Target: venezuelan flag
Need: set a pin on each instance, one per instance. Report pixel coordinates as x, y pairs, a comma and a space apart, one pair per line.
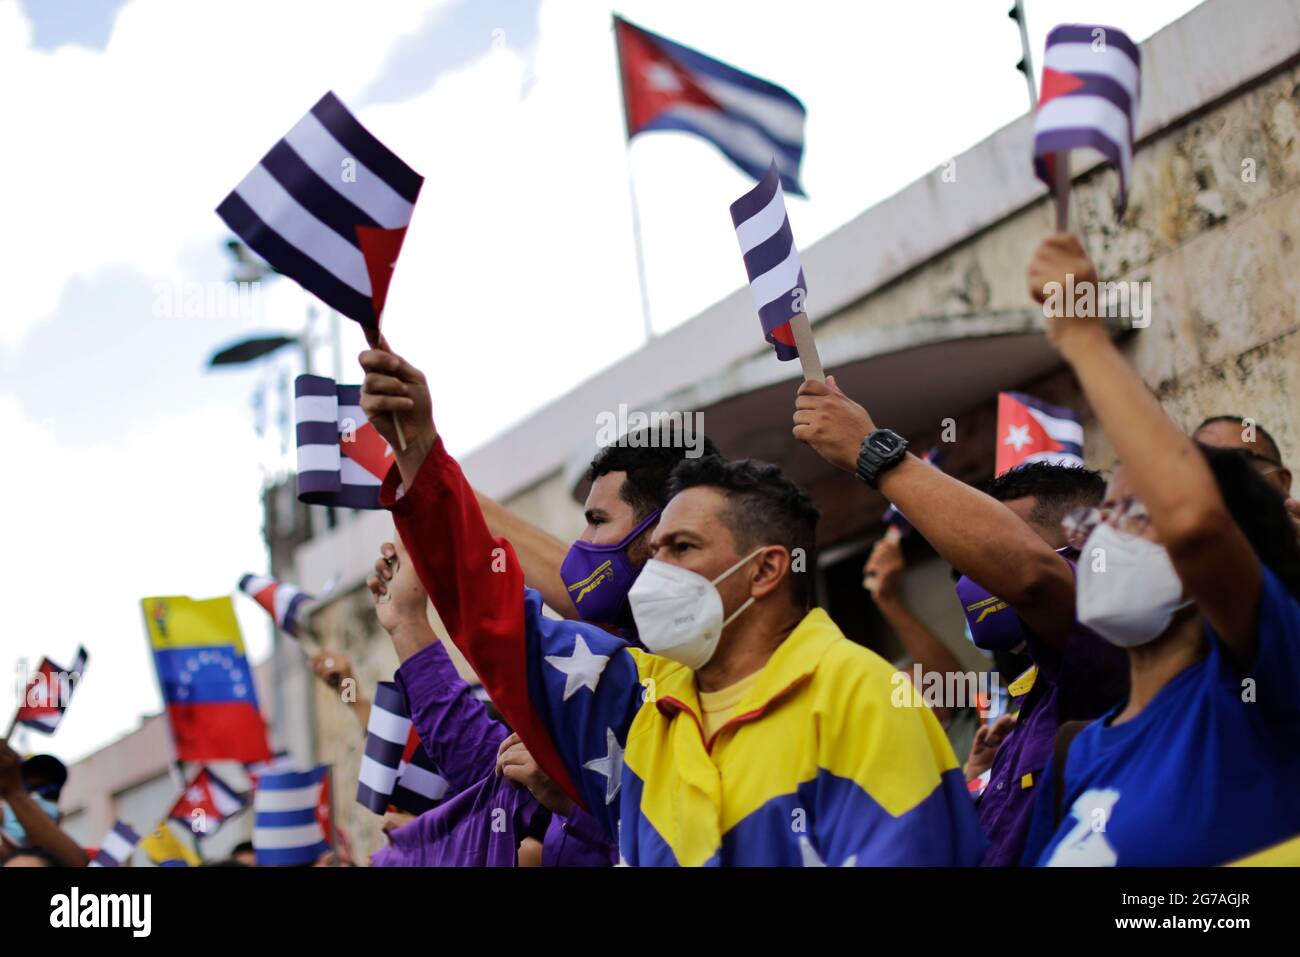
166, 850
206, 681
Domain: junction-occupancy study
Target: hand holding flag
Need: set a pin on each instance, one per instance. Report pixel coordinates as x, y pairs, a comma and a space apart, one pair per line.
395, 395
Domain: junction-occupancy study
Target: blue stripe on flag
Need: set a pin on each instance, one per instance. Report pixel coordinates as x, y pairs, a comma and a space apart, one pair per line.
288, 259
315, 195
371, 153
1081, 33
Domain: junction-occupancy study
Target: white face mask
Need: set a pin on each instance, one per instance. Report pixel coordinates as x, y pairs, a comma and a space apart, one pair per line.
1133, 601
678, 612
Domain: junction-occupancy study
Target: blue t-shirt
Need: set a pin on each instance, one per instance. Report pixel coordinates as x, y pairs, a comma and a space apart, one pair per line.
1207, 773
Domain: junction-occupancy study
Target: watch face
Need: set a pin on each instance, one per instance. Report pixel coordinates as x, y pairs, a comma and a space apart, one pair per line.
884, 443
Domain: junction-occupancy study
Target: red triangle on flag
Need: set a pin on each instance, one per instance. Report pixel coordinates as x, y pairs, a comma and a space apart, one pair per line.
380, 248
367, 448
1019, 435
1056, 83
653, 81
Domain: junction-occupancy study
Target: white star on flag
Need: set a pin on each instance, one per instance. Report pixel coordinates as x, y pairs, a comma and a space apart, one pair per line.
1017, 436
581, 669
812, 859
662, 77
611, 766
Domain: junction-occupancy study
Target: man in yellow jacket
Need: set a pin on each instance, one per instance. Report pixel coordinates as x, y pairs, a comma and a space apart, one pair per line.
748, 731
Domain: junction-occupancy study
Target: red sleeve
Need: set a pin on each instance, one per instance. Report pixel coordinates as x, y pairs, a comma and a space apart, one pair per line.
477, 585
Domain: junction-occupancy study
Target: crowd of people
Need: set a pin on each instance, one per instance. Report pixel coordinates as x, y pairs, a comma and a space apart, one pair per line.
666, 691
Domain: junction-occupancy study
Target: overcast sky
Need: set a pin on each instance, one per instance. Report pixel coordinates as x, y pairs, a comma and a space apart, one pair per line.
132, 472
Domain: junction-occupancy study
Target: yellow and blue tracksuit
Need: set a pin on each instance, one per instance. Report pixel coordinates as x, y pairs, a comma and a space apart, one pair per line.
827, 760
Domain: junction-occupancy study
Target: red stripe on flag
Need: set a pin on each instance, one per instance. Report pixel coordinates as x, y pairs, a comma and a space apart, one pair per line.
652, 80
218, 731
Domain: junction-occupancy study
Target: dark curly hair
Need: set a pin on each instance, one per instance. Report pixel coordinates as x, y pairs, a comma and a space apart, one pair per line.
648, 456
1056, 489
1256, 506
763, 508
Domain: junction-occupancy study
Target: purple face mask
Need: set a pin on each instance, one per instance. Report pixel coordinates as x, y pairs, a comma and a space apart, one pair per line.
994, 625
598, 577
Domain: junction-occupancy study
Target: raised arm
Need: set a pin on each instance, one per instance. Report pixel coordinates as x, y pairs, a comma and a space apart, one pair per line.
882, 576
539, 552
1211, 554
41, 829
541, 674
977, 534
455, 728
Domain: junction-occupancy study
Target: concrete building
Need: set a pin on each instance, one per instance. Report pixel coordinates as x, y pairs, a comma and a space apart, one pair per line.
920, 310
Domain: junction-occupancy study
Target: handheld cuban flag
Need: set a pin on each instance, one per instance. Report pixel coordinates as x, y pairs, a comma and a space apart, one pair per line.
395, 769
342, 459
48, 692
282, 601
1091, 82
667, 86
1030, 430
116, 848
205, 679
207, 803
293, 817
280, 761
775, 273
329, 206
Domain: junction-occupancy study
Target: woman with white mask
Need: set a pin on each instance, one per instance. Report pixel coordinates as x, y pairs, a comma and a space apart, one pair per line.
1191, 566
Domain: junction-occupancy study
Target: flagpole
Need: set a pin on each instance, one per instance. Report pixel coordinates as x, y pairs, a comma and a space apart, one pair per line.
640, 252
1061, 191
13, 726
631, 187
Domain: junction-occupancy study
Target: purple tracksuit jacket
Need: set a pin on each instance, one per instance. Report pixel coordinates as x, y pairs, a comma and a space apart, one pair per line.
482, 824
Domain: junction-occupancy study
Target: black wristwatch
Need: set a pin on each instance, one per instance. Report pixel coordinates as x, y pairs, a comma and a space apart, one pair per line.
880, 451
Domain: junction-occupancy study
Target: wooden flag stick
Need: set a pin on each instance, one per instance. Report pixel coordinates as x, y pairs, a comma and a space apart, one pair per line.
13, 726
807, 346
1062, 191
373, 338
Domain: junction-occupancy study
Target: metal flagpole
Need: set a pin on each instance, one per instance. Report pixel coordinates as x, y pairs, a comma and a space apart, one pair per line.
1026, 64
640, 253
631, 188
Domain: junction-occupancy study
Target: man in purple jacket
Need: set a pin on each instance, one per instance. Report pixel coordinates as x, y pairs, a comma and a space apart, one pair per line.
502, 804
1015, 580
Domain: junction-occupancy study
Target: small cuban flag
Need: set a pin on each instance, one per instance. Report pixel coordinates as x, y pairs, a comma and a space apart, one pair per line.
207, 803
1088, 98
294, 813
282, 601
342, 459
395, 768
116, 848
1031, 430
329, 206
771, 262
48, 692
667, 86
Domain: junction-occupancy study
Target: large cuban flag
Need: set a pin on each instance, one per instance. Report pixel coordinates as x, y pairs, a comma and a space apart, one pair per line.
667, 86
